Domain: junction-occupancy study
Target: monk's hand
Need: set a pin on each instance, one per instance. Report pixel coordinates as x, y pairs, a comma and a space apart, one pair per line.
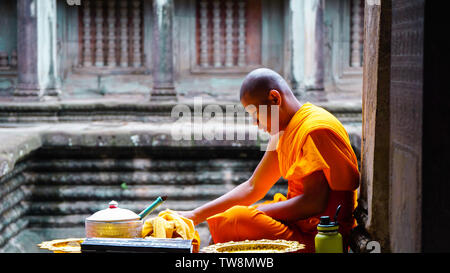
190, 215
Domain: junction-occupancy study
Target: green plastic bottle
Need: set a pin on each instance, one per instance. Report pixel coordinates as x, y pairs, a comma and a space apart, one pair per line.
328, 238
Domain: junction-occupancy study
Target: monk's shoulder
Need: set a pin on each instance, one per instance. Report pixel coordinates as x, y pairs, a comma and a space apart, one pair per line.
321, 120
320, 115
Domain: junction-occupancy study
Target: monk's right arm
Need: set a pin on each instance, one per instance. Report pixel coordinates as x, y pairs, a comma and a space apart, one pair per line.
264, 177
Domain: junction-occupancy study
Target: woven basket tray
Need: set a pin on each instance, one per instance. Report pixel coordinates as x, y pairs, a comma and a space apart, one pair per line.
258, 246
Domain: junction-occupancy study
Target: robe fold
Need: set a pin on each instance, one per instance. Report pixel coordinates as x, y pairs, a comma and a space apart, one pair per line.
169, 224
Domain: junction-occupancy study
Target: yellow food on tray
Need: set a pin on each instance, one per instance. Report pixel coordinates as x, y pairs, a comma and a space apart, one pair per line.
168, 224
71, 245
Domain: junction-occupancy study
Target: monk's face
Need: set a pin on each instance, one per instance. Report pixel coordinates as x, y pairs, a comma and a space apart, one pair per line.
264, 112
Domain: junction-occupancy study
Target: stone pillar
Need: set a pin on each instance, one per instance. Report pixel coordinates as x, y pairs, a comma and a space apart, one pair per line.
163, 77
53, 85
406, 128
374, 189
27, 82
314, 36
36, 67
296, 10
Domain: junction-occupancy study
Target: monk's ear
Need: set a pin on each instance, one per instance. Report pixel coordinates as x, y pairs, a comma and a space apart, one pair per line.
275, 97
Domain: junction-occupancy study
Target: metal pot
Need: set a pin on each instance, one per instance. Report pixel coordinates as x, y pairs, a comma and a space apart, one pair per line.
114, 222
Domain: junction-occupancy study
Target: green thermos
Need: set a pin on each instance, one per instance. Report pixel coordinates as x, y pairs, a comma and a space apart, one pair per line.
328, 238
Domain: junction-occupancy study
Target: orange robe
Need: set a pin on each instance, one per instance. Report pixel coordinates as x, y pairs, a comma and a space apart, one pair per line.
314, 140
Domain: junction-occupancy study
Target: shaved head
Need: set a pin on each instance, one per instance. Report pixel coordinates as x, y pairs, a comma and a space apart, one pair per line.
267, 97
258, 83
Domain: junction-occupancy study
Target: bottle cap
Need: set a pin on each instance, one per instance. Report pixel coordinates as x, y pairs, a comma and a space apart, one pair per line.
326, 225
324, 221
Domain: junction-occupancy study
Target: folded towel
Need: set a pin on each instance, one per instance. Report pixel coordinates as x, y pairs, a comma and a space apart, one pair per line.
169, 224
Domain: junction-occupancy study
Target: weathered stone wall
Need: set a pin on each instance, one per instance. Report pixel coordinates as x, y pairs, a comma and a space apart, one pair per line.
14, 193
13, 206
67, 185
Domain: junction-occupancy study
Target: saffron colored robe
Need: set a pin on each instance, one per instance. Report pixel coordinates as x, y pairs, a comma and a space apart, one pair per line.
169, 224
314, 140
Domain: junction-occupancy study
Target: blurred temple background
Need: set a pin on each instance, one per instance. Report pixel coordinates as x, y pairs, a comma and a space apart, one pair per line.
87, 89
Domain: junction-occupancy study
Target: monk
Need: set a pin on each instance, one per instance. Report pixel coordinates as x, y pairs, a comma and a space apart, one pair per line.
312, 151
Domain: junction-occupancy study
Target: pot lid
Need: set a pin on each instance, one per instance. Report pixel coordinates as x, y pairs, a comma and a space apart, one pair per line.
113, 214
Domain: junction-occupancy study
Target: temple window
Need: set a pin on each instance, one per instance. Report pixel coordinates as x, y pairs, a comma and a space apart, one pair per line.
228, 34
111, 34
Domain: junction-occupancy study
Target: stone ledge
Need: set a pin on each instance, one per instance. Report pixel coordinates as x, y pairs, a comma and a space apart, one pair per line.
141, 192
134, 110
17, 143
15, 146
139, 167
161, 177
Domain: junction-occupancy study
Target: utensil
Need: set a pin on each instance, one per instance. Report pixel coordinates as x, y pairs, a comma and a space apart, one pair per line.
336, 214
152, 207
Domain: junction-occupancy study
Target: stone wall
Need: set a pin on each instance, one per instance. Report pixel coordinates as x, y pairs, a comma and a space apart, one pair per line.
69, 184
14, 192
14, 205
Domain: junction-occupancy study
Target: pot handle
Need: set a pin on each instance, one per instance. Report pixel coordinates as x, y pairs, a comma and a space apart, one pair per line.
152, 207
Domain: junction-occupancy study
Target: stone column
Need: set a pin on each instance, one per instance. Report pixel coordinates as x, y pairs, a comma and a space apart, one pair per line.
314, 35
53, 82
36, 67
297, 46
373, 203
163, 82
27, 81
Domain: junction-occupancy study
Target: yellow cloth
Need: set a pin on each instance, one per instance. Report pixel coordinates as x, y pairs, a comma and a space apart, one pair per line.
168, 224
